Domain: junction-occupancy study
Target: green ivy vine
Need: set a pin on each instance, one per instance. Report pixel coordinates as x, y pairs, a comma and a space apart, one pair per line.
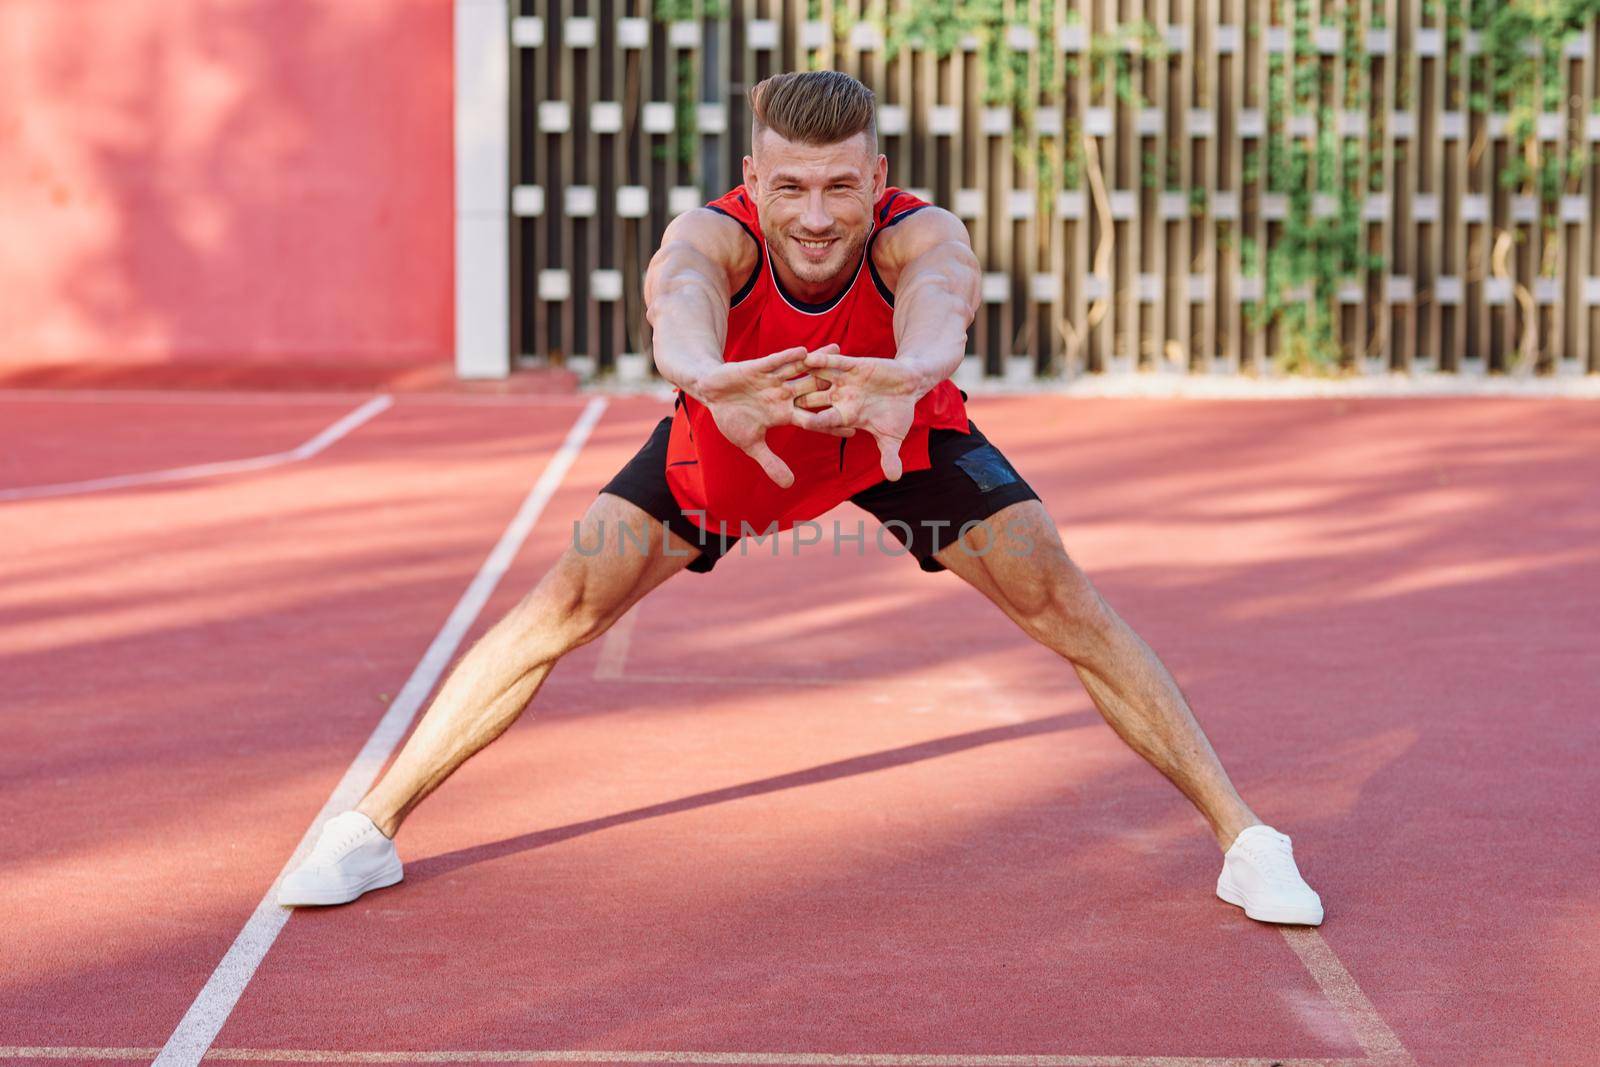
1311, 251
686, 124
941, 27
1519, 74
1112, 55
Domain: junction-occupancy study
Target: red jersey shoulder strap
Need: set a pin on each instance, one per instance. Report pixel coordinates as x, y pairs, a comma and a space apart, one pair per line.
895, 206
735, 204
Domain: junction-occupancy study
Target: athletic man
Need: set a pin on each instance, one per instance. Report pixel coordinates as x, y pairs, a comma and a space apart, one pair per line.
811, 319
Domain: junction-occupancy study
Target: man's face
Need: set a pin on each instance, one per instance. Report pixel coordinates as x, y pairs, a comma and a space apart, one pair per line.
815, 201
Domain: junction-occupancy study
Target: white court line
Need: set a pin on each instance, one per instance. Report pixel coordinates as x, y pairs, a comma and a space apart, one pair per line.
270, 398
614, 652
1380, 1043
70, 1052
215, 1002
376, 406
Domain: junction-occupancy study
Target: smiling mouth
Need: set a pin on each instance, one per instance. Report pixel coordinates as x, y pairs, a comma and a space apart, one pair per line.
815, 246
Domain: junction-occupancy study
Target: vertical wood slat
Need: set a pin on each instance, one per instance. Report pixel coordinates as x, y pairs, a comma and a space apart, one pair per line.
561, 170
1125, 341
1252, 350
1405, 230
1452, 184
1590, 264
1203, 261
525, 314
1359, 318
999, 153
1431, 305
1578, 235
1336, 14
1025, 335
1388, 358
1078, 304
1430, 144
532, 235
1222, 305
586, 150
1480, 176
1400, 202
606, 82
1534, 243
1164, 232
1101, 233
1502, 313
1586, 351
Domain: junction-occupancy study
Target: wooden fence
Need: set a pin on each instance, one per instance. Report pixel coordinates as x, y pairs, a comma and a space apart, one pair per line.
1189, 186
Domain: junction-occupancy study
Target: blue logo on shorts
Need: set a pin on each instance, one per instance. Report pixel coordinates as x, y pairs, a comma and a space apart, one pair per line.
987, 467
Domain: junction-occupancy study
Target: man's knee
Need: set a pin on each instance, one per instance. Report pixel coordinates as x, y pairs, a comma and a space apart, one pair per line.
1061, 609
569, 607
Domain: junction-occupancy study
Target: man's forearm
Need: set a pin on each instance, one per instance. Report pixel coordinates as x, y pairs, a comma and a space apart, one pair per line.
937, 300
690, 320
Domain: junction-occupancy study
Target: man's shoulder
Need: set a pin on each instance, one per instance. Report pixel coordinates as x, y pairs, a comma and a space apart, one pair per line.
728, 241
906, 223
736, 205
896, 203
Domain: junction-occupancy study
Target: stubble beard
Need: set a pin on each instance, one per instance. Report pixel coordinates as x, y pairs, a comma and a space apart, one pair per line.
806, 270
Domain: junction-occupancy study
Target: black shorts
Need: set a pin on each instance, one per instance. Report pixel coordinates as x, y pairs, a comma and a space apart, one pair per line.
968, 481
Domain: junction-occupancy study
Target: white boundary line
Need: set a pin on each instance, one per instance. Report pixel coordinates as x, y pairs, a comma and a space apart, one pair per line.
1380, 1043
215, 1002
73, 1052
614, 653
376, 406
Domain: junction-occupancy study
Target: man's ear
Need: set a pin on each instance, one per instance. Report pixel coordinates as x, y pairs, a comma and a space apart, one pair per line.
880, 178
750, 177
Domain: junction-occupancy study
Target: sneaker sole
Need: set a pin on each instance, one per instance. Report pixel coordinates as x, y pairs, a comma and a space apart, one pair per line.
1289, 915
345, 894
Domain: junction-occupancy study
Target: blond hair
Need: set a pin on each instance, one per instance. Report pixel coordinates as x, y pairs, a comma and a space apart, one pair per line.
818, 107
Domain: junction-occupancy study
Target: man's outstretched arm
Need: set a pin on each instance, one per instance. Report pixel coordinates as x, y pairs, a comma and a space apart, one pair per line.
686, 295
686, 292
937, 288
938, 292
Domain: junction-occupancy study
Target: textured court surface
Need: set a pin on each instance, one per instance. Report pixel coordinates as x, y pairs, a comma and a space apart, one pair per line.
817, 808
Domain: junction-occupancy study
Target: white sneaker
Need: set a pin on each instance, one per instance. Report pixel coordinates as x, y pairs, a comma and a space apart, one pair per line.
350, 857
1259, 875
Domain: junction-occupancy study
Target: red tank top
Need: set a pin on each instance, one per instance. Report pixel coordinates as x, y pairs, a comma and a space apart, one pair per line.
709, 474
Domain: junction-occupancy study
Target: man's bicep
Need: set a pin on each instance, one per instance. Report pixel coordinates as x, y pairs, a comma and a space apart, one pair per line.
929, 228
687, 298
703, 242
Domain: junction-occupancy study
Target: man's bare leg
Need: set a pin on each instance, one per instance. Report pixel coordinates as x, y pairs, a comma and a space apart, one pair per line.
576, 601
1045, 593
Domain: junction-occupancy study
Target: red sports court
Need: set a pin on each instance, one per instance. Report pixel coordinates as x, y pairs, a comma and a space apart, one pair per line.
774, 815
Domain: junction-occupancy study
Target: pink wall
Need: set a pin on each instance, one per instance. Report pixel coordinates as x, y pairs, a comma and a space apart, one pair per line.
225, 180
